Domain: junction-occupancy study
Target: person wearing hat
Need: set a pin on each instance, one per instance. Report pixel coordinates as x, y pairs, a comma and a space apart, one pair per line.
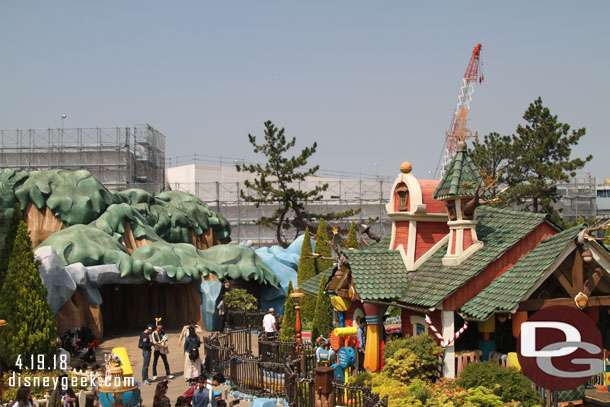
161, 349
146, 346
269, 325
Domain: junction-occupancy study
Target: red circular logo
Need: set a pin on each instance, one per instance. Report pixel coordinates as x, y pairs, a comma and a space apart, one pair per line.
560, 348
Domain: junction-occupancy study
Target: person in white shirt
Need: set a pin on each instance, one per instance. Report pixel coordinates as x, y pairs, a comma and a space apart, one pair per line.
269, 324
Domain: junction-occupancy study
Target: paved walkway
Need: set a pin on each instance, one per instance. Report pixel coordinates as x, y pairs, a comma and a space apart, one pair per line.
177, 385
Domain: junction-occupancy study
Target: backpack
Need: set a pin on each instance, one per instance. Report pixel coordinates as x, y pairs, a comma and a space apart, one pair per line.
194, 350
140, 343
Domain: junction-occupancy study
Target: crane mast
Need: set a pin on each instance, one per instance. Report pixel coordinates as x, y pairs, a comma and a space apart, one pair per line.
457, 129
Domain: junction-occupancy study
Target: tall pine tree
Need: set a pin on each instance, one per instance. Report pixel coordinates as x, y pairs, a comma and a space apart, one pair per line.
323, 320
323, 248
288, 332
31, 328
9, 242
306, 270
274, 184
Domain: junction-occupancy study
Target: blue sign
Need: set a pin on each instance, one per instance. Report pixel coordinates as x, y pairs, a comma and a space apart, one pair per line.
339, 373
346, 357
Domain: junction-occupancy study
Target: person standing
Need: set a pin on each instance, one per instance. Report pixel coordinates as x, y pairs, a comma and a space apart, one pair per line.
269, 325
192, 357
146, 346
361, 343
161, 348
222, 312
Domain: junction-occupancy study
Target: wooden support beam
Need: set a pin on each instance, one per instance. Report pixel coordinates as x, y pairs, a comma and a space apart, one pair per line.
578, 272
565, 283
593, 281
535, 305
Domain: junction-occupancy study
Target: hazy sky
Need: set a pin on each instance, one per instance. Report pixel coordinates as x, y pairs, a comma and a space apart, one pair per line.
370, 81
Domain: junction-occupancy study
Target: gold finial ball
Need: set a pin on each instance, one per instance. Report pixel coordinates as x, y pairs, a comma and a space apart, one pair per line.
406, 167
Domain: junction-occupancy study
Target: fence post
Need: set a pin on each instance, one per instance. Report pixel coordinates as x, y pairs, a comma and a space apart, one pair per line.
324, 395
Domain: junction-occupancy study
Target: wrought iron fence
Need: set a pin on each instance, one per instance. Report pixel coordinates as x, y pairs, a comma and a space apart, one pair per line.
237, 319
282, 369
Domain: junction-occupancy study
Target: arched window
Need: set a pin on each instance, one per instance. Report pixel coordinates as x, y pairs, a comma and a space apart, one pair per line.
402, 198
419, 325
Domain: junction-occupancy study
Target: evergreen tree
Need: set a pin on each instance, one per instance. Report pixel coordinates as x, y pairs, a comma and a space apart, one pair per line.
534, 159
352, 238
274, 180
9, 242
306, 270
288, 332
31, 328
323, 248
323, 320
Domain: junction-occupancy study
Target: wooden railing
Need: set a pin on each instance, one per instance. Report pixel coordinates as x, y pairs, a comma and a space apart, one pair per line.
464, 358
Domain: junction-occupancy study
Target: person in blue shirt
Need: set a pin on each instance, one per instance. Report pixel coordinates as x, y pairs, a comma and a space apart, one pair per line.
361, 343
203, 396
146, 346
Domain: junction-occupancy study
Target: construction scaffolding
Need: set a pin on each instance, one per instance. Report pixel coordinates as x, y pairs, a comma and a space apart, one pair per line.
119, 157
577, 197
224, 197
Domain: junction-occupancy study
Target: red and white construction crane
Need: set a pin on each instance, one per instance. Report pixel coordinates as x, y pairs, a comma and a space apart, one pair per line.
457, 129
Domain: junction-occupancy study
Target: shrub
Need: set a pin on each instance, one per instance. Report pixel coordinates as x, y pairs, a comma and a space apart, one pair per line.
9, 242
32, 327
423, 347
305, 271
240, 299
398, 392
288, 331
323, 248
446, 393
508, 383
323, 318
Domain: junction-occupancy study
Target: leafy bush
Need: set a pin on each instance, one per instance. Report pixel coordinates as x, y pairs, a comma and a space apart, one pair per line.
398, 392
446, 393
424, 346
240, 299
410, 358
508, 383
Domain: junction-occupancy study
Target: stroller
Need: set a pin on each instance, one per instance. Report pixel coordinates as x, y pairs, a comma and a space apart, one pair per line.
81, 343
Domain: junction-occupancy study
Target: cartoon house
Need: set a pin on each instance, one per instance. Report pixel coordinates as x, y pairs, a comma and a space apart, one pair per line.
452, 259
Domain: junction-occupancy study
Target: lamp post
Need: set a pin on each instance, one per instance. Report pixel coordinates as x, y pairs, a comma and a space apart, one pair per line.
296, 297
3, 323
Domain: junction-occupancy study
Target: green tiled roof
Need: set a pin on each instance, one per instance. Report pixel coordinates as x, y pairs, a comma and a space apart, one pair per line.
312, 286
378, 274
505, 292
461, 171
499, 229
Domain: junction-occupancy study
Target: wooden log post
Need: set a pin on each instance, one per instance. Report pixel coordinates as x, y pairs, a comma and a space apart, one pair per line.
324, 394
